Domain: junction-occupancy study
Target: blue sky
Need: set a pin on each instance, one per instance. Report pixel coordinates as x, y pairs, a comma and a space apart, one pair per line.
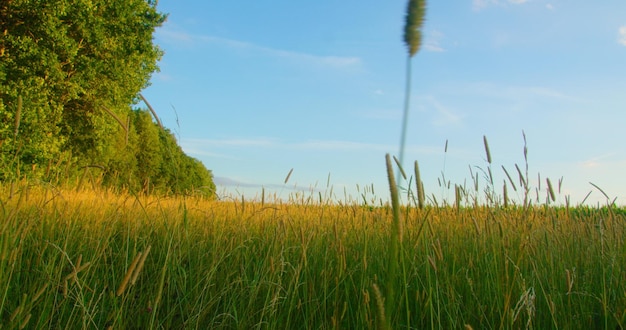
256, 88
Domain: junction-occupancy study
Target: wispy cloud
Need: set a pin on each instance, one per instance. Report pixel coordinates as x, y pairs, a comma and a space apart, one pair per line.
267, 143
443, 116
511, 92
622, 35
238, 183
256, 142
480, 4
224, 181
602, 160
338, 145
433, 41
207, 147
382, 114
172, 34
235, 145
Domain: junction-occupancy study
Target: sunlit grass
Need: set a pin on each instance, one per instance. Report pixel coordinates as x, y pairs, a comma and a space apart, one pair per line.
66, 259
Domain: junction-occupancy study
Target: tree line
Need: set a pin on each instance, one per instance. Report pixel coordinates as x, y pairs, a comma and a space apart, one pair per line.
70, 76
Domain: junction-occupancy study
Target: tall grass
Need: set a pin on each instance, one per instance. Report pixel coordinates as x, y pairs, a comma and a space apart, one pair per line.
101, 259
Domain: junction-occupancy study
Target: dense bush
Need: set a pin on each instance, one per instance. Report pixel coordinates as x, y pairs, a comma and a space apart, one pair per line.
70, 73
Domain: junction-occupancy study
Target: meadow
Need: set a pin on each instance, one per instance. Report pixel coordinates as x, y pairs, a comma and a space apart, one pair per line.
94, 258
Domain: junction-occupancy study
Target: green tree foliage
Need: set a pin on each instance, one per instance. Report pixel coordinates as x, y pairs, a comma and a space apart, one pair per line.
149, 146
70, 71
158, 164
180, 173
66, 59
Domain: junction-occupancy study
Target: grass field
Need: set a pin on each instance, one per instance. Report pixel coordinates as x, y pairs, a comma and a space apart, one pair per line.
95, 259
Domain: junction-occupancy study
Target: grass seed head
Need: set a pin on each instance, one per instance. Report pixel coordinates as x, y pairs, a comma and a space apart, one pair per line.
129, 273
487, 149
380, 305
415, 16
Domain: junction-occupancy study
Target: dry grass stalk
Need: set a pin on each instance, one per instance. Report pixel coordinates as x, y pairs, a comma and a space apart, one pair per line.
119, 121
77, 270
15, 313
140, 265
506, 195
128, 275
521, 178
457, 196
288, 176
432, 262
39, 293
400, 167
151, 110
395, 202
570, 280
420, 186
550, 190
64, 289
509, 177
526, 303
25, 321
487, 149
476, 227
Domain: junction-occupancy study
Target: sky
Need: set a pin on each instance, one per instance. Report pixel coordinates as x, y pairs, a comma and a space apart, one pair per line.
255, 89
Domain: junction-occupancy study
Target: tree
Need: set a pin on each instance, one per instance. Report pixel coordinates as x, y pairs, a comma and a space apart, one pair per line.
153, 162
149, 154
70, 72
68, 60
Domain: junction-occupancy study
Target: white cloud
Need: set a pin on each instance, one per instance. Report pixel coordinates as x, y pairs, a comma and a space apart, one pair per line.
433, 41
256, 142
443, 116
622, 35
174, 36
382, 114
270, 143
550, 6
499, 91
340, 145
433, 47
480, 4
170, 33
200, 146
602, 160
